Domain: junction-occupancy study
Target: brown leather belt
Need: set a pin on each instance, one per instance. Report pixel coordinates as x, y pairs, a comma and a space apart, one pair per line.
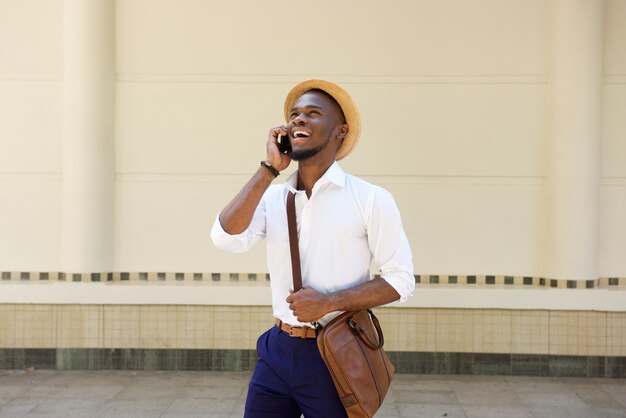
302, 332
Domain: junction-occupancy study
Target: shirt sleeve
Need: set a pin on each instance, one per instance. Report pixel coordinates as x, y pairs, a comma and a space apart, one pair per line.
240, 243
389, 244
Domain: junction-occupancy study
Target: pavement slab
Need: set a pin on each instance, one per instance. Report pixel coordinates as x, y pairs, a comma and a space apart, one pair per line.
162, 394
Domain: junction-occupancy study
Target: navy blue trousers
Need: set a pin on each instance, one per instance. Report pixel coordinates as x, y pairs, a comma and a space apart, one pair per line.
291, 379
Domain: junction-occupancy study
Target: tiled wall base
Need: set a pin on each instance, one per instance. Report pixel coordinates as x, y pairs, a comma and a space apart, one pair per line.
508, 364
127, 359
245, 360
416, 330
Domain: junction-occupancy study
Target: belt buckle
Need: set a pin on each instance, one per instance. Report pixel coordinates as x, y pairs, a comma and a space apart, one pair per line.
301, 332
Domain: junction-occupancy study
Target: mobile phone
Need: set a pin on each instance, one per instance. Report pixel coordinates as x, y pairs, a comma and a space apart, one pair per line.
283, 144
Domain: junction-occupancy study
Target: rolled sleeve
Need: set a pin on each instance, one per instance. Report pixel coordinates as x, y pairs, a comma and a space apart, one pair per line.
389, 244
240, 243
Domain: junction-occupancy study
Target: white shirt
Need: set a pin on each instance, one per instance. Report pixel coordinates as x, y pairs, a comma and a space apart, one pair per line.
345, 225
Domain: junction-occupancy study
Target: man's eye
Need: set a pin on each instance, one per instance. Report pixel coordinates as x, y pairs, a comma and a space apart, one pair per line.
314, 113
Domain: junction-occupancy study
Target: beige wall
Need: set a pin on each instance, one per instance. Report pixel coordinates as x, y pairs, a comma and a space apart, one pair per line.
452, 93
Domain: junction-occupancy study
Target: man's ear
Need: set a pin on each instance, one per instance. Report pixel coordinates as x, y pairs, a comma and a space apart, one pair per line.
343, 131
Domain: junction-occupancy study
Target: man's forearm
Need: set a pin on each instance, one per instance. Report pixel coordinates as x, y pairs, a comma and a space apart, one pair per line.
237, 215
309, 305
367, 295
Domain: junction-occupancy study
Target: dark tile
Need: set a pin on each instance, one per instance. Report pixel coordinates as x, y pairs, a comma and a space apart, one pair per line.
409, 362
434, 279
72, 359
424, 363
252, 277
197, 276
43, 358
62, 277
616, 367
528, 281
11, 358
492, 363
77, 277
590, 284
95, 277
596, 366
180, 276
234, 277
216, 277
6, 275
509, 280
571, 284
471, 279
217, 360
199, 360
176, 359
568, 366
553, 283
124, 276
152, 359
542, 281
109, 277
143, 276
99, 359
122, 359
490, 280
530, 365
232, 360
418, 278
453, 279
25, 275
613, 281
161, 276
454, 363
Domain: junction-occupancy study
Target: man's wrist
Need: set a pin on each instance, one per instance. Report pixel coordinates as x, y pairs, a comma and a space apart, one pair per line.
332, 302
270, 167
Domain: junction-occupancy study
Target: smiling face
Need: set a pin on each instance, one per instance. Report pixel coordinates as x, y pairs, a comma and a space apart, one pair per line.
316, 126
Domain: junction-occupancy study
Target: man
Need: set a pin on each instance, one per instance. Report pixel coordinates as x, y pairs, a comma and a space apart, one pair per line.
344, 223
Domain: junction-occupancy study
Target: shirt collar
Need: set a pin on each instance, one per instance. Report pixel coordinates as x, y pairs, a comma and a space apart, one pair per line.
334, 174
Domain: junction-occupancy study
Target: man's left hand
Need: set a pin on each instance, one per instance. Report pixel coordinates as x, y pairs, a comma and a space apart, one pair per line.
308, 305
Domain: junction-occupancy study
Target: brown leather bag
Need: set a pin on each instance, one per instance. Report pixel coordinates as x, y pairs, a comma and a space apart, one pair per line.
351, 346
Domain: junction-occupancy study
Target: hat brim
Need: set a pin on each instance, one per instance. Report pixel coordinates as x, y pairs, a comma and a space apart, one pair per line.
350, 111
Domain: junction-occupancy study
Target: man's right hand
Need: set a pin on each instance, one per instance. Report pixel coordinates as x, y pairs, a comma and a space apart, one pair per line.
276, 158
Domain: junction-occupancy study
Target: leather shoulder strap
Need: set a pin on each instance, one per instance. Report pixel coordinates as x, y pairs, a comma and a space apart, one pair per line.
293, 242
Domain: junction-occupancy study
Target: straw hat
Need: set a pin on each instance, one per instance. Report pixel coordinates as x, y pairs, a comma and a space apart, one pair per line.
350, 111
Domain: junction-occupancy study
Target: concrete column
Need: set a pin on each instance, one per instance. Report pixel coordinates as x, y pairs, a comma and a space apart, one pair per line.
88, 141
573, 139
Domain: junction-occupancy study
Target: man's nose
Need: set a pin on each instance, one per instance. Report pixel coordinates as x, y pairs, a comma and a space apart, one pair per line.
299, 119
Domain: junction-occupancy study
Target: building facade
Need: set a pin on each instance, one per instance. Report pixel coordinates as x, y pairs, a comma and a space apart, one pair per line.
499, 127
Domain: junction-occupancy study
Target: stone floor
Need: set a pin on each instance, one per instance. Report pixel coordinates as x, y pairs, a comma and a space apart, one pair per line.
49, 393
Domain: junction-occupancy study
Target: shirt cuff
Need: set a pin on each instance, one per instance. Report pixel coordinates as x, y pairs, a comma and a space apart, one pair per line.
233, 243
402, 282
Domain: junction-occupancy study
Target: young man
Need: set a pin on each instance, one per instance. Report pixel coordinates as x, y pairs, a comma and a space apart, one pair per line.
344, 223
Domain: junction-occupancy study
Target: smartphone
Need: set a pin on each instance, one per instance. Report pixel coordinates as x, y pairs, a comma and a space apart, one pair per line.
283, 144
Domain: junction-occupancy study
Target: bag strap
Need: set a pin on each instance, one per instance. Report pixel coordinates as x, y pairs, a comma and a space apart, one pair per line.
296, 271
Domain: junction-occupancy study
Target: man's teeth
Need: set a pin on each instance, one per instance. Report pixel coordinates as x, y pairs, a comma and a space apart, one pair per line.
300, 134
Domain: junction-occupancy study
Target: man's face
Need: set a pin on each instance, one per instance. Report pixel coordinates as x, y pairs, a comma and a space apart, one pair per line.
315, 125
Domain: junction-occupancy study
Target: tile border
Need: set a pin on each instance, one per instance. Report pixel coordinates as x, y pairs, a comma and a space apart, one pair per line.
234, 278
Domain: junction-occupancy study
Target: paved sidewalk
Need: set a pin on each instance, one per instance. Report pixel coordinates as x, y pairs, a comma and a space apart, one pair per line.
48, 393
